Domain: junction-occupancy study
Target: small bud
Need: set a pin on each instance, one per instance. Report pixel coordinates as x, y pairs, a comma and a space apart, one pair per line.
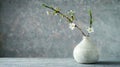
47, 12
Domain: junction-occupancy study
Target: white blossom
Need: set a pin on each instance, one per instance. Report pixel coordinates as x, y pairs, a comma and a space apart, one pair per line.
90, 30
47, 12
72, 26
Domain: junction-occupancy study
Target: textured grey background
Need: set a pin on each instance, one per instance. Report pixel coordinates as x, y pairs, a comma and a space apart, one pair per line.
26, 30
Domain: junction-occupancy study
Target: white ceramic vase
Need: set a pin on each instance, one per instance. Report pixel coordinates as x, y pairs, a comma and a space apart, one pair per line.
86, 51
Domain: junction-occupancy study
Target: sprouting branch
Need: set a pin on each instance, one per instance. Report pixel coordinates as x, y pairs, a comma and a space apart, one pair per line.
57, 11
69, 19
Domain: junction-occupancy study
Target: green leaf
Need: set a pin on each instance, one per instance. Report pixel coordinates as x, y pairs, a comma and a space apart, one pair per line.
91, 20
72, 18
54, 13
57, 9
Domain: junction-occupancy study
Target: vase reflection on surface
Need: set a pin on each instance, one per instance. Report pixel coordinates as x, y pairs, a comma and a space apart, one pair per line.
86, 51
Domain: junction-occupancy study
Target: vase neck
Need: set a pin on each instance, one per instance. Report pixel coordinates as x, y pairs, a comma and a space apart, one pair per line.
86, 37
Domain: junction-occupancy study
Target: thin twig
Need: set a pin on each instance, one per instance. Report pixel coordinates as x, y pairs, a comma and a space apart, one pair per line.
80, 30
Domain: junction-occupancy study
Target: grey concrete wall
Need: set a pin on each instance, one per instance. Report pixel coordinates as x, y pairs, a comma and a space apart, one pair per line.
26, 30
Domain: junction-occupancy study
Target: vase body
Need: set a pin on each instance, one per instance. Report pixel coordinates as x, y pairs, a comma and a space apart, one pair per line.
86, 51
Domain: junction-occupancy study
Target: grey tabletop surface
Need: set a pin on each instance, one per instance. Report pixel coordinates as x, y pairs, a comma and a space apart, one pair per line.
54, 62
